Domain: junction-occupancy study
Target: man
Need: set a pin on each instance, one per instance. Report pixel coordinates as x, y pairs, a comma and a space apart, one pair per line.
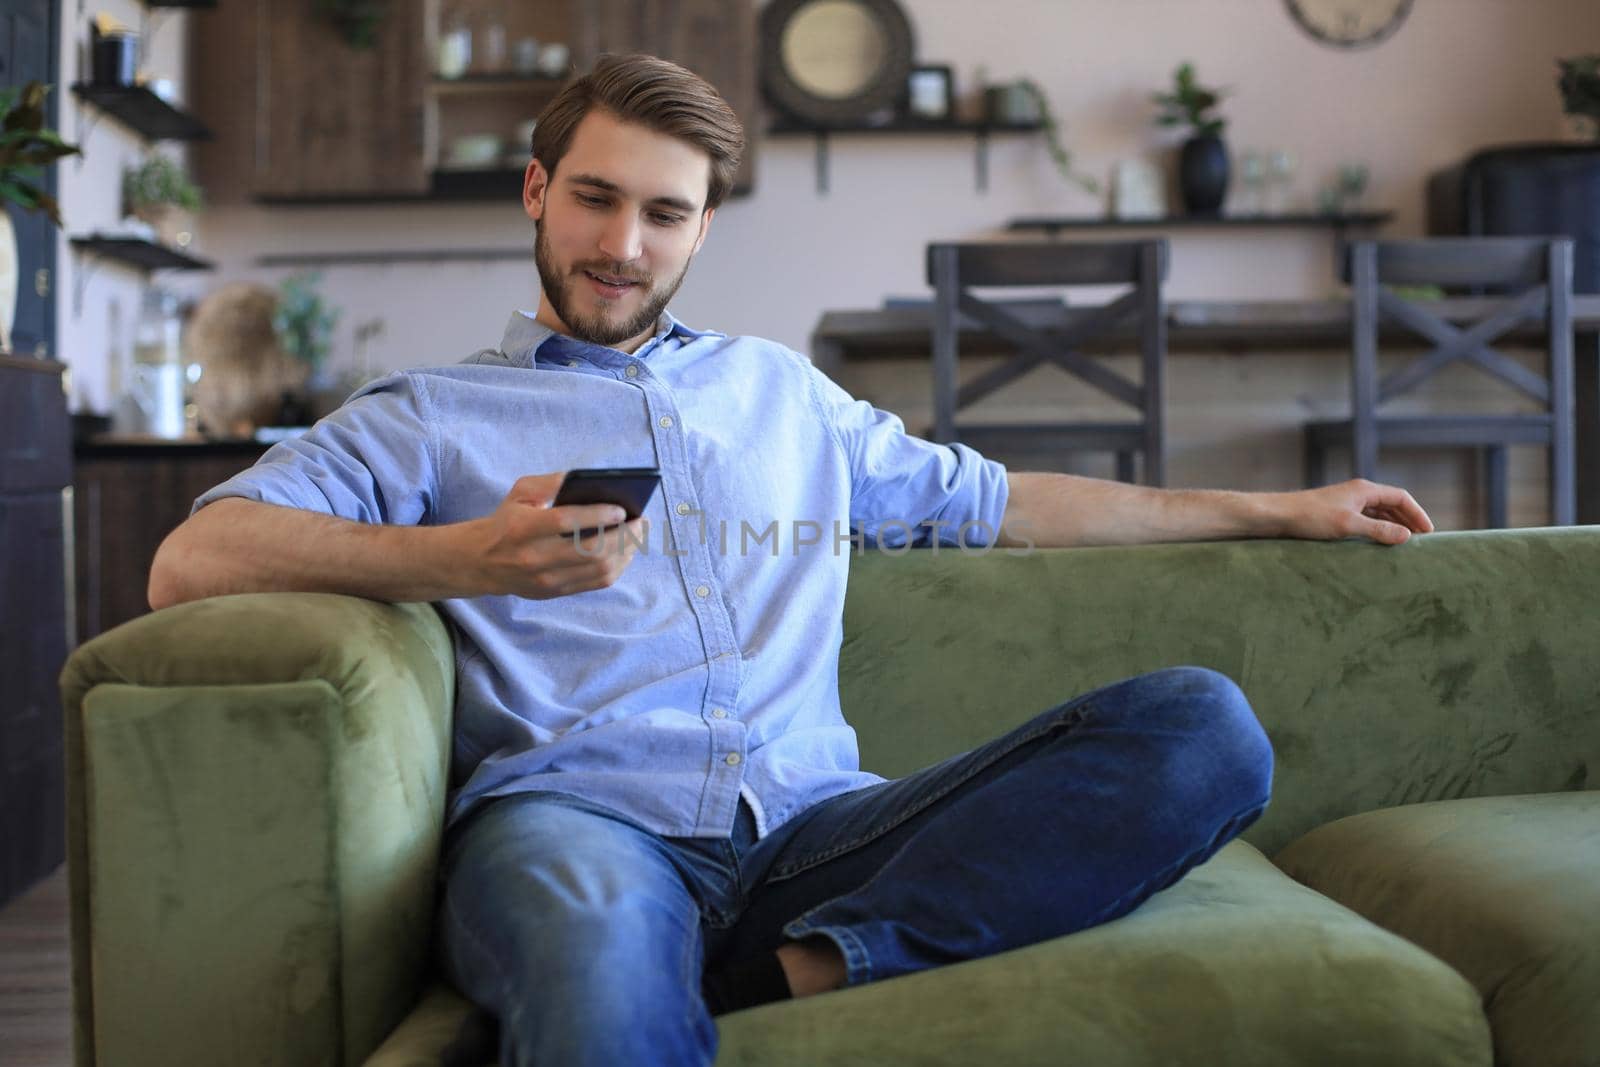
657, 814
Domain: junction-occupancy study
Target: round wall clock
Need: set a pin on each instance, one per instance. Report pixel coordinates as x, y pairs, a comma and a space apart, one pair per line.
1350, 23
834, 61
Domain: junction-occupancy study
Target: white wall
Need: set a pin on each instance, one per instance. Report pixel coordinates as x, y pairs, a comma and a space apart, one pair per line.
1460, 74
95, 340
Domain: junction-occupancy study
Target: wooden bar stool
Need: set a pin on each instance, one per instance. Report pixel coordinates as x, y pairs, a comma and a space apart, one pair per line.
956, 270
1530, 280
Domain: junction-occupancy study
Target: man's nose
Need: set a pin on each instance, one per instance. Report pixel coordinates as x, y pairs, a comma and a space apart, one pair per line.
621, 239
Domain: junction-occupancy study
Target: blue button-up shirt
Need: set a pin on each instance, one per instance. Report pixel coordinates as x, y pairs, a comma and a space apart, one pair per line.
708, 670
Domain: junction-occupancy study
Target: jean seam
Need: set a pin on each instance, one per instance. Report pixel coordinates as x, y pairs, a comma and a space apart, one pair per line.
509, 1003
690, 985
1074, 716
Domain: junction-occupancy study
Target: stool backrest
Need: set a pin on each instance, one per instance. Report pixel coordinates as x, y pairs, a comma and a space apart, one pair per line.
956, 270
1533, 274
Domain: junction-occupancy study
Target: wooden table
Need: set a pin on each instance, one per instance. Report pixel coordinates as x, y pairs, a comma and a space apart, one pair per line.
1223, 326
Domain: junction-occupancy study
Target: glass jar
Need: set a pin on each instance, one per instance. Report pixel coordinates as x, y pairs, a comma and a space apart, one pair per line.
159, 376
455, 48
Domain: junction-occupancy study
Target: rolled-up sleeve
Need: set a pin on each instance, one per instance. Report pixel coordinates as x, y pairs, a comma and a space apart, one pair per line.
905, 489
373, 460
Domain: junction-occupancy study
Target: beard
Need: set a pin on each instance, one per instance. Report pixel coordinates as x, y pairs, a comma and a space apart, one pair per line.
597, 326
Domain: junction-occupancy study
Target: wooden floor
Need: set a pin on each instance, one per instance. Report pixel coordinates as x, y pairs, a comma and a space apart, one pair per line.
35, 1004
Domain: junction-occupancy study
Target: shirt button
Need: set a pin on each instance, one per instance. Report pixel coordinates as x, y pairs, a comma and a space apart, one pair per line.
718, 713
666, 422
632, 371
732, 759
702, 590
684, 509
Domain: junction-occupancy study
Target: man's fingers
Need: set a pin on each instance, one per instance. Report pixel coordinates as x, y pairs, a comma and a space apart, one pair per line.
574, 517
1382, 531
536, 489
1400, 506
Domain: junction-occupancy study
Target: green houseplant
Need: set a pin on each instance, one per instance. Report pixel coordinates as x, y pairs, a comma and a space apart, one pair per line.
157, 185
27, 147
1579, 83
302, 321
1204, 166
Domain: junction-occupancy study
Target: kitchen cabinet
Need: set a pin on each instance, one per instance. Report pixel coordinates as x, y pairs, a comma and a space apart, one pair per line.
35, 472
299, 112
128, 494
302, 116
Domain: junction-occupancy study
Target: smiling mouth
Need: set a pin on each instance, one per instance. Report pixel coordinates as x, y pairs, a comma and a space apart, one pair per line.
610, 282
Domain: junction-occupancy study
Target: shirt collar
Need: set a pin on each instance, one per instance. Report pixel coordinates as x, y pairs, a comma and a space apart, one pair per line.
524, 343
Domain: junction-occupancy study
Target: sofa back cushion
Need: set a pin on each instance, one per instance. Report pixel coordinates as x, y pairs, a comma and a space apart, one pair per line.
1459, 664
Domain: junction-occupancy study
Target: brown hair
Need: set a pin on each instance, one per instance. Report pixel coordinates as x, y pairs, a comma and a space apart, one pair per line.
653, 93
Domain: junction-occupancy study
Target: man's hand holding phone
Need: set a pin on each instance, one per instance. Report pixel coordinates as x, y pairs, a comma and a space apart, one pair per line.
547, 539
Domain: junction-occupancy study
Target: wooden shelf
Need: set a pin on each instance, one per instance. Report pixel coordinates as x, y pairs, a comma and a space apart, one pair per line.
978, 131
784, 128
487, 183
143, 112
484, 84
140, 253
1052, 226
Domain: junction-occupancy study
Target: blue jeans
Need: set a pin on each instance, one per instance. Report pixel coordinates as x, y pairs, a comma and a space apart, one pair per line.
587, 936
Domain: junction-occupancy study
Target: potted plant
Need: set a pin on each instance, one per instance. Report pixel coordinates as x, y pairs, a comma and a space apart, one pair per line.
155, 189
1203, 169
1580, 90
26, 149
303, 324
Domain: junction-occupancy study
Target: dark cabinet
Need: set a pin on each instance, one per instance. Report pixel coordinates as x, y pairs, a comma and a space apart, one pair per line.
127, 496
301, 115
299, 112
35, 471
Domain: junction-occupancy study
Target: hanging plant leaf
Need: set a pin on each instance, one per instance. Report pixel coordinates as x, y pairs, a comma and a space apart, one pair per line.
357, 20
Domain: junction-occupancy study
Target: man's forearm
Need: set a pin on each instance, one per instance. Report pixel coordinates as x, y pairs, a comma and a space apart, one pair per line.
241, 546
1063, 510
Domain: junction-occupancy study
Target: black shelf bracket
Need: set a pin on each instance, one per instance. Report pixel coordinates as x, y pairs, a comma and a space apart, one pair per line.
143, 112
135, 252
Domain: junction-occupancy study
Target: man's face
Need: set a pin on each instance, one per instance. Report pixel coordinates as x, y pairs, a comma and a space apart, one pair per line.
619, 222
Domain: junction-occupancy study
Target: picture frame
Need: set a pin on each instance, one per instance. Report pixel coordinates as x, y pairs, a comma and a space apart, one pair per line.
930, 93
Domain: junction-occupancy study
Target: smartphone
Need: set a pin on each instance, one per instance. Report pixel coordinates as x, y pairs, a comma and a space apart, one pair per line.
629, 488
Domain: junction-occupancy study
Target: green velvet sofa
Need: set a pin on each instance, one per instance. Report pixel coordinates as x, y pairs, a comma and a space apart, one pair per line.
257, 785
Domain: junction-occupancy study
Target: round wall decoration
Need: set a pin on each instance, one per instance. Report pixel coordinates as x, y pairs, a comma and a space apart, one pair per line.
1350, 23
834, 62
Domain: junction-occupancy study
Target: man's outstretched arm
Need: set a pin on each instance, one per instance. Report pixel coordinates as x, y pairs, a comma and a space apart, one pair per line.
524, 548
1063, 510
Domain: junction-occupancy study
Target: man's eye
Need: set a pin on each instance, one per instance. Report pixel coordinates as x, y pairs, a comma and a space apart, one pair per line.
590, 201
668, 220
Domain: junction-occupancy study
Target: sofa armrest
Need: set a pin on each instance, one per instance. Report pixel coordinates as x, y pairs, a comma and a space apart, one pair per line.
255, 792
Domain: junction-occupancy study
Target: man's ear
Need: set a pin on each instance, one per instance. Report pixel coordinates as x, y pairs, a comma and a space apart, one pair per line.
705, 226
535, 184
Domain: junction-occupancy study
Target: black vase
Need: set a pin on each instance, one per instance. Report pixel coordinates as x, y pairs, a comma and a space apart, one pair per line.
1203, 175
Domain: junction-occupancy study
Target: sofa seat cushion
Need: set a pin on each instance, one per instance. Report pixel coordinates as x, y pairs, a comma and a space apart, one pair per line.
1235, 964
1505, 889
